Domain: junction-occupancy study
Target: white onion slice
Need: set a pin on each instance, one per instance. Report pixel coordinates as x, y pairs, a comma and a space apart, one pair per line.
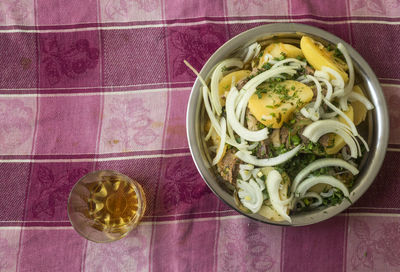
216, 78
329, 89
255, 172
329, 115
213, 119
312, 181
296, 61
268, 162
321, 75
252, 146
315, 130
309, 112
268, 58
260, 183
243, 132
343, 103
316, 196
245, 174
221, 147
318, 101
274, 180
250, 195
350, 84
338, 81
353, 96
246, 167
253, 50
315, 165
352, 126
327, 194
308, 195
209, 133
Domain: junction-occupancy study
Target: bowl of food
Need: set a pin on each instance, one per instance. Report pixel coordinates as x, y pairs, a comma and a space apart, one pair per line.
287, 124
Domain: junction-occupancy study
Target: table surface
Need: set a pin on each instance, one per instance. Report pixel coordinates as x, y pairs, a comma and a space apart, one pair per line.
88, 85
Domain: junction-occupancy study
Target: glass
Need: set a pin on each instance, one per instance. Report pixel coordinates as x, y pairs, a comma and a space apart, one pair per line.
105, 205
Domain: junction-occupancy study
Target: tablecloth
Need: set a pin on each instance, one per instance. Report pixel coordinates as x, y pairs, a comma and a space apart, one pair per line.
101, 84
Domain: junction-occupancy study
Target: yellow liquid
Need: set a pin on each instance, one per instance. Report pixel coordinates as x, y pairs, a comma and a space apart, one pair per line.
112, 204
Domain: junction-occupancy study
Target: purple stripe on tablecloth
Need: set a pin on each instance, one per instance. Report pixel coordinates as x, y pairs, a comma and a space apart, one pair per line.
185, 246
378, 210
19, 65
182, 193
119, 68
326, 248
384, 191
318, 7
394, 146
392, 95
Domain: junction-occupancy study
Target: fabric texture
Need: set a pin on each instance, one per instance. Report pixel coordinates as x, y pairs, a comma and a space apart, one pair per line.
101, 84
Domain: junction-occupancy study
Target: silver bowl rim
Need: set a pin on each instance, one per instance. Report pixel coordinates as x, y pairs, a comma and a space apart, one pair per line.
379, 115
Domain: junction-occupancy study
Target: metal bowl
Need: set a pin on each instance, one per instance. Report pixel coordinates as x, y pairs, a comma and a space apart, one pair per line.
376, 129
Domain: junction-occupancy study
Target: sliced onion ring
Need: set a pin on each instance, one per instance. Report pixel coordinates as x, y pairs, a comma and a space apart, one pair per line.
268, 162
312, 181
321, 163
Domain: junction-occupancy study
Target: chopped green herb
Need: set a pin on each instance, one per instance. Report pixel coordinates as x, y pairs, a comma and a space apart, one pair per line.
296, 140
267, 66
260, 125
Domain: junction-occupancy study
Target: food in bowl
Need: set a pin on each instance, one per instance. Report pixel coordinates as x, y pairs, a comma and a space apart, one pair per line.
282, 126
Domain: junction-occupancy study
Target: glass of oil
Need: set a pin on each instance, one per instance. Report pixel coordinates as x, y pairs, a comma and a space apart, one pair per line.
105, 205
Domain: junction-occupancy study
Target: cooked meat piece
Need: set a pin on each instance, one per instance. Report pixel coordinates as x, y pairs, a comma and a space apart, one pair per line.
304, 139
252, 123
241, 83
309, 70
315, 93
253, 73
263, 149
325, 140
228, 167
275, 137
284, 133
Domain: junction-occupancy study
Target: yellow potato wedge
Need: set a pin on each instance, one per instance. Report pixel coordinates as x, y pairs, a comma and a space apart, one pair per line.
318, 56
274, 106
276, 50
225, 83
360, 111
339, 143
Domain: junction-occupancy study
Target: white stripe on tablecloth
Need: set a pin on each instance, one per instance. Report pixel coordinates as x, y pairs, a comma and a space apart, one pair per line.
229, 22
113, 93
96, 159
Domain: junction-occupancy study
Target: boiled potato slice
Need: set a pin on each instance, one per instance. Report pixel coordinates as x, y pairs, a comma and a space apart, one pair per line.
339, 143
360, 111
318, 56
225, 83
276, 50
278, 101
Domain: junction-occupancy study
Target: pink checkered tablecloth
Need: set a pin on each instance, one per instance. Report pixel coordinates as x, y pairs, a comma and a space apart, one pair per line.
100, 84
